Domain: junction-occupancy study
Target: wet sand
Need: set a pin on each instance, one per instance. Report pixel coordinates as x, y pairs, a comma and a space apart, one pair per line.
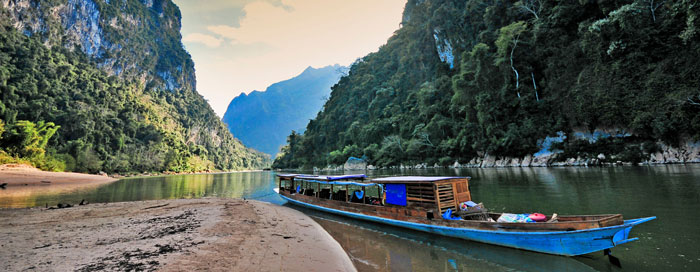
23, 180
168, 235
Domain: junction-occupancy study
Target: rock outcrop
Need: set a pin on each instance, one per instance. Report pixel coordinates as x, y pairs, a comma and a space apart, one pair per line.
355, 164
689, 152
106, 32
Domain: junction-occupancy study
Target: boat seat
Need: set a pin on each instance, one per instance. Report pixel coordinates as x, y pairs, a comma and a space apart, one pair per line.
340, 195
325, 193
309, 192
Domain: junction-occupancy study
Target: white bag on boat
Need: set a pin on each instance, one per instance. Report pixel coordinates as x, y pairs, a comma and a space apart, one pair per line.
514, 218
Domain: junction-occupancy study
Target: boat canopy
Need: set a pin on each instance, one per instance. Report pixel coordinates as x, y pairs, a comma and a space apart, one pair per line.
413, 179
287, 175
314, 177
343, 183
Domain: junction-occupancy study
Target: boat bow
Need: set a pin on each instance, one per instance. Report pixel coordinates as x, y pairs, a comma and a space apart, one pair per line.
622, 236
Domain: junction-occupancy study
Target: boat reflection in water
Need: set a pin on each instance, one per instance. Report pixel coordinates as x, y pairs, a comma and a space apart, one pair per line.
374, 247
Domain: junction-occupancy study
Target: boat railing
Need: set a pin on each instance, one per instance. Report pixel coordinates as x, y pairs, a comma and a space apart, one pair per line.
327, 188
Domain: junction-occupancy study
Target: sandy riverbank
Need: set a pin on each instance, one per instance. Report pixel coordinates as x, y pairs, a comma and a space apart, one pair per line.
168, 235
24, 180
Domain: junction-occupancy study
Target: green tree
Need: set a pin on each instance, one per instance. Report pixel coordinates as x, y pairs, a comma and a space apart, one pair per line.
28, 139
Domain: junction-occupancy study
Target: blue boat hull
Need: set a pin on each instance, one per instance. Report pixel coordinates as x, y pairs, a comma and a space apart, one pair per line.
567, 243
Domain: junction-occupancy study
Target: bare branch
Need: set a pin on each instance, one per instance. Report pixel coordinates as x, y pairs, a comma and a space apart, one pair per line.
426, 139
692, 101
393, 140
537, 96
517, 75
532, 6
653, 7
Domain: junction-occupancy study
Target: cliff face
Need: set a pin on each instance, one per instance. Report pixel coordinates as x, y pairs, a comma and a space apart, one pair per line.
141, 108
262, 120
131, 39
488, 82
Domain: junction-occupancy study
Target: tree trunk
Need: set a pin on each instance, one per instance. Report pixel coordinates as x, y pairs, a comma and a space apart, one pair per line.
537, 96
517, 76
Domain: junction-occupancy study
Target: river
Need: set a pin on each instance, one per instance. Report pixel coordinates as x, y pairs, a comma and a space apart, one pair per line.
670, 192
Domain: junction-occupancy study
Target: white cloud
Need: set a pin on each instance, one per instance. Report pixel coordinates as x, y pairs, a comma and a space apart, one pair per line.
208, 40
223, 31
278, 3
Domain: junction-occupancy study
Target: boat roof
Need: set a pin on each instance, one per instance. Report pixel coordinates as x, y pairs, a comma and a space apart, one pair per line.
287, 175
342, 177
413, 179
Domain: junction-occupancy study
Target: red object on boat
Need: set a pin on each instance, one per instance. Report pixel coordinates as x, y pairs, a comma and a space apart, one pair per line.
537, 217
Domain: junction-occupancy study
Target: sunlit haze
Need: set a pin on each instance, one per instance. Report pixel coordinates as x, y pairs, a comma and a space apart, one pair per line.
245, 45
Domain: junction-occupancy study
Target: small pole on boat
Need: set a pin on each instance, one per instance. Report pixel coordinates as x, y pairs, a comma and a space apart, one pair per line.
332, 191
364, 199
347, 193
318, 192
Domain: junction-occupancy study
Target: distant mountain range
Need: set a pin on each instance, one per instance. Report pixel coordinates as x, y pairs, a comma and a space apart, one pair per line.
262, 120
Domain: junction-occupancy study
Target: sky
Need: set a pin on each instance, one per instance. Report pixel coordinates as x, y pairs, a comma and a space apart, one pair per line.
245, 45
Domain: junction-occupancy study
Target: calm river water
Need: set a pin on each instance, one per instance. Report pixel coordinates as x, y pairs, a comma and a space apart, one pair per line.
672, 193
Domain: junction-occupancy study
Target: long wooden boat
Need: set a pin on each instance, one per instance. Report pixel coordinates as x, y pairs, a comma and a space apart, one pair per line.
419, 203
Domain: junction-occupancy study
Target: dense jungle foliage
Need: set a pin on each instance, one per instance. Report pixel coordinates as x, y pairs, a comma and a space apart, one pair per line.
522, 70
101, 122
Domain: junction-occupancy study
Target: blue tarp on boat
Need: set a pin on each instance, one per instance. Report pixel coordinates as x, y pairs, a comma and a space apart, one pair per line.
359, 194
396, 194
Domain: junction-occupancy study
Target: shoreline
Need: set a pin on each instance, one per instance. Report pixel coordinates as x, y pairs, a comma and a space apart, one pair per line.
23, 180
24, 175
165, 174
168, 235
468, 166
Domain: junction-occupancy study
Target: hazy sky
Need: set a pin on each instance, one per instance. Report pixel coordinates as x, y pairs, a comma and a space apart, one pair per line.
245, 45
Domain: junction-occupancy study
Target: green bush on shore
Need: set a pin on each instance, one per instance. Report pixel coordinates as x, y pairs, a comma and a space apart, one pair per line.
24, 142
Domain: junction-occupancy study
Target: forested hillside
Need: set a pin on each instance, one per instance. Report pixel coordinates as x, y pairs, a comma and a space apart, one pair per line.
262, 120
106, 86
467, 79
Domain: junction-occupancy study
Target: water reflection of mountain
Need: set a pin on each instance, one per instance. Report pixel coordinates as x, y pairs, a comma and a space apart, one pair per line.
228, 185
375, 247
